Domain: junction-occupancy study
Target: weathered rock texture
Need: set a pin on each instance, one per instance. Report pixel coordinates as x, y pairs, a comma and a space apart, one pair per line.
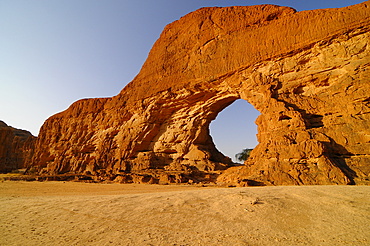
306, 72
16, 148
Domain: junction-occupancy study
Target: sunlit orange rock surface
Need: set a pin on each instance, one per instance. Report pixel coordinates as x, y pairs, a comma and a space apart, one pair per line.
306, 72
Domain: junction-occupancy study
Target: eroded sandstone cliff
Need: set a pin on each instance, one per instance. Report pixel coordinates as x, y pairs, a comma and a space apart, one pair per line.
16, 148
306, 72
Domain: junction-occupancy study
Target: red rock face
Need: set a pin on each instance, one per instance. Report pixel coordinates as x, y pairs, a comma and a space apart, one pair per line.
16, 148
306, 72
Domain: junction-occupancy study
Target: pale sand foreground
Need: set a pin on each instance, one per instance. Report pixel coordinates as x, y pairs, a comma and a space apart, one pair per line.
57, 213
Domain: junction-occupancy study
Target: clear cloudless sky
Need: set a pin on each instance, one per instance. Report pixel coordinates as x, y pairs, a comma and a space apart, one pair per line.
54, 52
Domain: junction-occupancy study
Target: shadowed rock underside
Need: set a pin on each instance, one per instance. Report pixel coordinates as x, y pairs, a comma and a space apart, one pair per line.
306, 72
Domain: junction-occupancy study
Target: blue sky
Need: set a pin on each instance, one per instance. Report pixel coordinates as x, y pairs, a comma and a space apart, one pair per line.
54, 52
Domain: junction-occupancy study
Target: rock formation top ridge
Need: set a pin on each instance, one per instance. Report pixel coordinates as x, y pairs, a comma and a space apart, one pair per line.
211, 42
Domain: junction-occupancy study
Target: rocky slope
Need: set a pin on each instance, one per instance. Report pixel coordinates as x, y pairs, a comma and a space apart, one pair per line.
306, 72
16, 148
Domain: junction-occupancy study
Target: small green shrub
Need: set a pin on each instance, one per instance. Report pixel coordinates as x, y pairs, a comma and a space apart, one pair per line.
243, 155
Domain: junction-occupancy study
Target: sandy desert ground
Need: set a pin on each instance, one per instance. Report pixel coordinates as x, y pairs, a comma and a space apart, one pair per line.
69, 213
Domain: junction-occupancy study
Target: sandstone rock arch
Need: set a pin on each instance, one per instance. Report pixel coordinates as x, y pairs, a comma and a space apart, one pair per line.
306, 72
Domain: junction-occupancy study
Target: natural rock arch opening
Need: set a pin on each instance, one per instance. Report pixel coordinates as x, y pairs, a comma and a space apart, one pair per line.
234, 128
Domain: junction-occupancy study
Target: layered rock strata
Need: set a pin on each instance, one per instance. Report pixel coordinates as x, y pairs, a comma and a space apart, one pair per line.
306, 72
16, 148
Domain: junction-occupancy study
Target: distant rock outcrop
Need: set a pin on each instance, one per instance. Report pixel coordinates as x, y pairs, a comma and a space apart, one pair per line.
306, 72
16, 148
